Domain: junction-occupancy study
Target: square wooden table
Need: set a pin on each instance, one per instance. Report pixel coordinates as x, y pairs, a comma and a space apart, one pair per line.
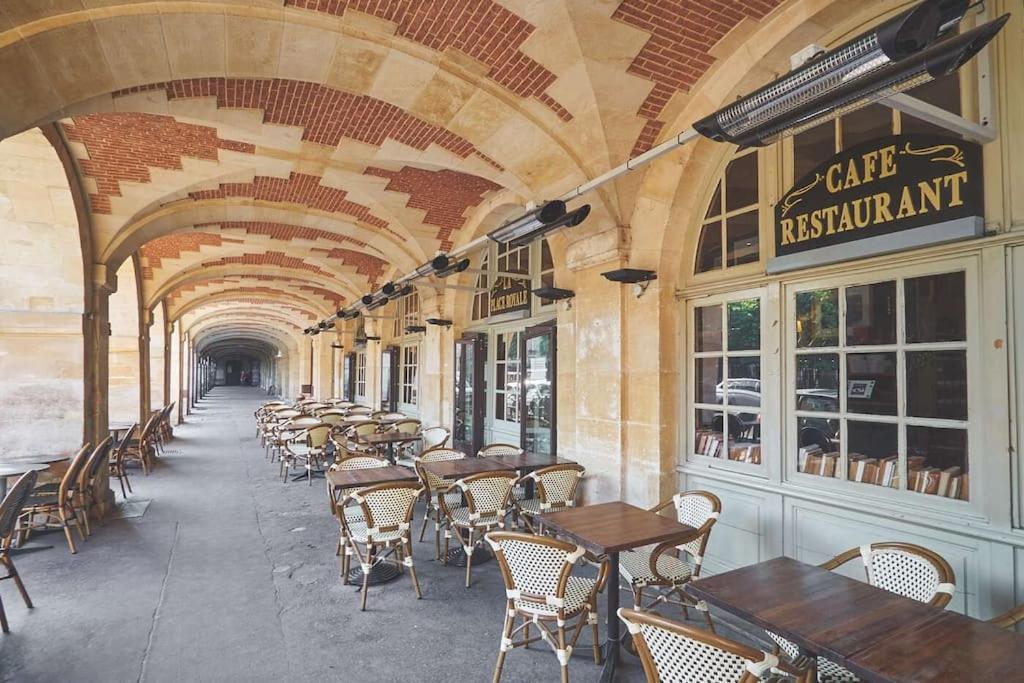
463, 467
607, 529
370, 476
879, 634
527, 462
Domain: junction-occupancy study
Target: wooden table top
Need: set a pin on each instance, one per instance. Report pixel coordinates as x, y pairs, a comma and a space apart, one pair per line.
23, 458
818, 610
388, 437
17, 469
612, 527
353, 479
948, 647
463, 467
529, 461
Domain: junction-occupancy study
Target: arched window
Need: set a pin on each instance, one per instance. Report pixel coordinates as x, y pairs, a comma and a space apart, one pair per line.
730, 233
407, 314
481, 299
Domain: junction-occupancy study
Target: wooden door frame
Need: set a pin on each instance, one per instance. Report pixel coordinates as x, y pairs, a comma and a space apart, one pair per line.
541, 329
478, 340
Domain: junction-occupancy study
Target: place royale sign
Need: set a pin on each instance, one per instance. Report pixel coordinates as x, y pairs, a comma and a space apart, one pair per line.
890, 194
510, 294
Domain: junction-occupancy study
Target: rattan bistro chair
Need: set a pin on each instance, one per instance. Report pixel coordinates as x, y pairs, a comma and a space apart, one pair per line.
672, 652
384, 532
554, 489
903, 568
116, 463
10, 511
60, 508
88, 496
540, 589
665, 568
357, 462
497, 450
488, 497
143, 449
1010, 619
309, 448
433, 489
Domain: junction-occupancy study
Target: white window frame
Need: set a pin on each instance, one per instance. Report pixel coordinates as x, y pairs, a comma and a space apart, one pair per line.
970, 267
408, 378
692, 406
501, 423
360, 375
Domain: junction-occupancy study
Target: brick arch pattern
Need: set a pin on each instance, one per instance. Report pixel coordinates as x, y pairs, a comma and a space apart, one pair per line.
483, 29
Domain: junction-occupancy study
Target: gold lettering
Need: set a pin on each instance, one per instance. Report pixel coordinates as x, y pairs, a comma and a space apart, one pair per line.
830, 217
844, 220
930, 194
801, 227
832, 181
906, 205
953, 181
882, 212
787, 231
852, 179
816, 225
861, 221
888, 158
870, 166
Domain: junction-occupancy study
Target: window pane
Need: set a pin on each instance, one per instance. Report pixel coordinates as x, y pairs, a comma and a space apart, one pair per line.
741, 182
818, 446
709, 249
741, 239
943, 92
871, 383
708, 437
744, 385
937, 461
871, 314
812, 147
817, 318
817, 382
745, 325
546, 261
937, 384
707, 380
873, 455
744, 437
715, 206
871, 122
708, 325
936, 308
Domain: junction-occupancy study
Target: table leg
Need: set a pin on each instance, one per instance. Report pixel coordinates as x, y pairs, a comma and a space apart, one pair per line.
391, 452
611, 651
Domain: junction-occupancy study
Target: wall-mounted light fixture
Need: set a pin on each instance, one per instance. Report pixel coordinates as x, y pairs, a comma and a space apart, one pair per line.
336, 345
414, 329
440, 322
640, 279
369, 338
553, 293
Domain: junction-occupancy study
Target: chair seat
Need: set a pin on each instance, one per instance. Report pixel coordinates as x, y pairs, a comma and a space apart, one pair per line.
357, 532
460, 516
828, 671
635, 567
577, 590
452, 500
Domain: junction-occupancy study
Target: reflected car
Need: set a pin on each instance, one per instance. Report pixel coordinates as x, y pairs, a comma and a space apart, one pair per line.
742, 392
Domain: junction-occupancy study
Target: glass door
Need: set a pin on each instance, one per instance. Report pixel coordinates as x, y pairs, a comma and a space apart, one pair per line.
538, 394
348, 374
470, 392
389, 379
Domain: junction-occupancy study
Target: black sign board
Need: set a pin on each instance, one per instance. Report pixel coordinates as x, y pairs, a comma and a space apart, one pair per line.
886, 195
510, 294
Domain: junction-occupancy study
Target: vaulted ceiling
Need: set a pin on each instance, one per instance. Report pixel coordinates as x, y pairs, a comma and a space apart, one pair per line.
289, 155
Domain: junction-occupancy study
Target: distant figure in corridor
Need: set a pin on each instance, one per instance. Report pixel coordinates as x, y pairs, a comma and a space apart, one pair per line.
243, 379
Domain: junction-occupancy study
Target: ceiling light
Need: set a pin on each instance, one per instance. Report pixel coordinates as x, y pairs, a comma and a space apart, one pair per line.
849, 78
545, 214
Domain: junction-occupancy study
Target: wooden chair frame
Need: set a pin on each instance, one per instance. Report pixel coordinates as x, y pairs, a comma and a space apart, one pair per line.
316, 439
397, 551
62, 513
10, 512
558, 641
116, 466
541, 493
88, 496
475, 528
432, 491
758, 663
142, 449
1009, 619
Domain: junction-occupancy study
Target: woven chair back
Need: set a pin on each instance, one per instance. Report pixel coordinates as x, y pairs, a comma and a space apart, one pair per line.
497, 450
556, 485
70, 479
14, 501
434, 437
697, 508
535, 568
387, 507
488, 493
431, 481
407, 426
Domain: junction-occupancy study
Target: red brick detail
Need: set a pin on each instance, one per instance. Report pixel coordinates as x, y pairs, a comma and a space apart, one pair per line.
284, 231
326, 115
327, 294
483, 29
370, 266
124, 147
171, 246
298, 188
444, 195
678, 51
270, 258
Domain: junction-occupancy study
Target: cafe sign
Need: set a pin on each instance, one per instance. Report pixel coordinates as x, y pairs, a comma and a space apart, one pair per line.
890, 194
510, 294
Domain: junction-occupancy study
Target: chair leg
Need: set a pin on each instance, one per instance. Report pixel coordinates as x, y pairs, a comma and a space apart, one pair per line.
84, 520
469, 558
3, 618
506, 635
638, 599
561, 647
13, 573
426, 516
128, 481
412, 570
593, 619
526, 632
366, 575
120, 480
67, 533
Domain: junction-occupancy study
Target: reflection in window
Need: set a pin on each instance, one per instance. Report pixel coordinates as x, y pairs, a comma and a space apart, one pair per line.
730, 233
923, 363
547, 269
482, 298
409, 375
727, 381
507, 370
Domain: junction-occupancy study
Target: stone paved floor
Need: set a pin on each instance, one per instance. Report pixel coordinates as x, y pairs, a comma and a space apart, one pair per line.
231, 576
